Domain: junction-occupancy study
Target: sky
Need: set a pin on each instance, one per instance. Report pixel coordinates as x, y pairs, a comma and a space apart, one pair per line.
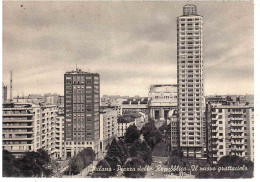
130, 44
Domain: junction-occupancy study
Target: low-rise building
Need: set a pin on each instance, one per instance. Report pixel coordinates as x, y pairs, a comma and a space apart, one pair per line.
123, 123
135, 104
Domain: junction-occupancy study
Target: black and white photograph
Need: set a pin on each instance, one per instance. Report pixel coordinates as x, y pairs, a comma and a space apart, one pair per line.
128, 89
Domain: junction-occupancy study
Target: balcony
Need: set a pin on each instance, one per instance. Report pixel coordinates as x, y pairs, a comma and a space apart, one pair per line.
237, 136
17, 126
16, 121
18, 114
18, 138
237, 124
238, 149
237, 130
237, 143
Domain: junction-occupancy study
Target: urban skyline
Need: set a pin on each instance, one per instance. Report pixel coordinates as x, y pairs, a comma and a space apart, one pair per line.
228, 57
177, 130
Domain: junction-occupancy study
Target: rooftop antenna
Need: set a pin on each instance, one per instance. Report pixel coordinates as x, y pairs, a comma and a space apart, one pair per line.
76, 65
11, 87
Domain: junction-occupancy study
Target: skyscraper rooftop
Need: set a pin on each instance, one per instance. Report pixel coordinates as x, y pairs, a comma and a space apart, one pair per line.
189, 9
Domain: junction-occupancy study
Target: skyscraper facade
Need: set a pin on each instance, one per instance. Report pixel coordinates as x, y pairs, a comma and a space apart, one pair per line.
190, 81
81, 108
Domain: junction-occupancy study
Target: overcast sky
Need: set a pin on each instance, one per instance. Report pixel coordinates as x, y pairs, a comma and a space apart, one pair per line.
130, 44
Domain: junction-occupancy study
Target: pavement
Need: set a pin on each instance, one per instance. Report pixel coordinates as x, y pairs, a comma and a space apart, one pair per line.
158, 162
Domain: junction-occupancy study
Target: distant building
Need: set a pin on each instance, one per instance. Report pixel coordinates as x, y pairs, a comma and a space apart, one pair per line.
135, 104
123, 123
4, 93
175, 135
51, 98
230, 130
61, 101
162, 99
32, 98
108, 126
81, 108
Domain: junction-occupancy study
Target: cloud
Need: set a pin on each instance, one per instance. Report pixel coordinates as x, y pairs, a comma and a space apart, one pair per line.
130, 44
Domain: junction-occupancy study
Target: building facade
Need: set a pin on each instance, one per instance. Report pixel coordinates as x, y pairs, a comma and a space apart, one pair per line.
81, 108
190, 82
162, 99
44, 128
29, 127
18, 128
123, 123
108, 127
230, 127
175, 130
59, 136
4, 93
135, 104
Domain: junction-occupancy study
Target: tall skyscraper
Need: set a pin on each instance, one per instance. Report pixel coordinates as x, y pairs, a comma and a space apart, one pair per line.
81, 108
190, 81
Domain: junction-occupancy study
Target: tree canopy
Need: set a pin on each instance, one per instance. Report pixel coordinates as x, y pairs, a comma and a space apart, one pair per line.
227, 168
31, 164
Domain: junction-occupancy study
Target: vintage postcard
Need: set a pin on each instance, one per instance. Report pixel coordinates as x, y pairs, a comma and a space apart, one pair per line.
128, 89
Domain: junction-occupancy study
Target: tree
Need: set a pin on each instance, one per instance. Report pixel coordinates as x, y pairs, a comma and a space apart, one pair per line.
10, 165
235, 161
132, 133
141, 150
103, 170
117, 149
113, 162
230, 161
35, 164
76, 164
176, 161
133, 164
87, 155
151, 134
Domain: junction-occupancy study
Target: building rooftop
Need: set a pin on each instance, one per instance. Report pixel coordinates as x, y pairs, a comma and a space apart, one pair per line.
189, 9
79, 71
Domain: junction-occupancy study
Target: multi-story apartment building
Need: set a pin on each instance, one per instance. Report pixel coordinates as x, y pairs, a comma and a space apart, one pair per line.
4, 93
81, 109
190, 82
18, 128
28, 127
44, 128
108, 126
230, 127
59, 136
162, 99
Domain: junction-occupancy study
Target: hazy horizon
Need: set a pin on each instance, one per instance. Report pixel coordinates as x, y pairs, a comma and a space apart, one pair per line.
130, 44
